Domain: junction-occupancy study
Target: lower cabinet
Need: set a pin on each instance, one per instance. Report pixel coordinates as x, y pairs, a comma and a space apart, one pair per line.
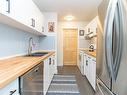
86, 67
81, 65
93, 74
49, 71
11, 89
90, 69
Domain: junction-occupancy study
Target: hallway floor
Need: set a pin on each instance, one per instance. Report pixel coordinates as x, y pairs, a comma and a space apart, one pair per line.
83, 85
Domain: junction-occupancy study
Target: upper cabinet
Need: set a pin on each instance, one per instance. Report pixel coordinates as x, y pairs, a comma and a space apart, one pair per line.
91, 28
36, 18
22, 14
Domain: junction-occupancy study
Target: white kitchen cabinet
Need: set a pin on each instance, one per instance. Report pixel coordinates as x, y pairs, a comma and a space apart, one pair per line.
3, 6
46, 75
36, 16
54, 64
18, 9
91, 28
39, 20
93, 81
9, 89
49, 71
90, 69
87, 67
84, 62
81, 62
23, 14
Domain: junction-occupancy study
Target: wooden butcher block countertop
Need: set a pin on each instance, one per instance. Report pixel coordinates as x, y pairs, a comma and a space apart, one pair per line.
12, 68
88, 52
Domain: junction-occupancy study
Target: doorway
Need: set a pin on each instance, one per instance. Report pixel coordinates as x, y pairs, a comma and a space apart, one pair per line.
70, 37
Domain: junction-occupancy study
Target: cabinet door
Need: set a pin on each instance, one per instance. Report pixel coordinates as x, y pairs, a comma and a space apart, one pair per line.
18, 10
40, 21
51, 72
54, 64
46, 75
36, 16
94, 72
11, 88
87, 67
90, 69
5, 7
85, 58
81, 63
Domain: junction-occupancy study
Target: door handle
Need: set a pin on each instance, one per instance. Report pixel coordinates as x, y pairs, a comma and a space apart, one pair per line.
118, 42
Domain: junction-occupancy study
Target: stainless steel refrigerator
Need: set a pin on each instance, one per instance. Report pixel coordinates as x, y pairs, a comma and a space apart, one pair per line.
112, 48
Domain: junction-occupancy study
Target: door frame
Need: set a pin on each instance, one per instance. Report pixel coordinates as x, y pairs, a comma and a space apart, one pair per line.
77, 43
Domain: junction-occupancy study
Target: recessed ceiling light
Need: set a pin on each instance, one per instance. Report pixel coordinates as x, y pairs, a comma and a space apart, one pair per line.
69, 18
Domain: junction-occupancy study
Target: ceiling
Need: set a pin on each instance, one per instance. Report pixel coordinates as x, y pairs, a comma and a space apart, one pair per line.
82, 10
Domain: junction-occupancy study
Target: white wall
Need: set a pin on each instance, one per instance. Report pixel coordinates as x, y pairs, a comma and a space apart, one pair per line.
61, 26
49, 42
14, 42
50, 17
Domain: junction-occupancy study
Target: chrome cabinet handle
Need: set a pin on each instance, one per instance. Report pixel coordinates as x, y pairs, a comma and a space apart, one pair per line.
50, 61
8, 1
86, 62
33, 22
12, 92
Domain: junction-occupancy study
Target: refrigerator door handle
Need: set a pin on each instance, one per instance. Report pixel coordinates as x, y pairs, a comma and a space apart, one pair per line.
118, 39
109, 37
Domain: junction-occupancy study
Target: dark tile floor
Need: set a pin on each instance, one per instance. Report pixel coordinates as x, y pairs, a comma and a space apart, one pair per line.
83, 84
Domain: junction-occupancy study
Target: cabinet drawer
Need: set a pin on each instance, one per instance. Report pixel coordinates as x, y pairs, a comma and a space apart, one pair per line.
11, 89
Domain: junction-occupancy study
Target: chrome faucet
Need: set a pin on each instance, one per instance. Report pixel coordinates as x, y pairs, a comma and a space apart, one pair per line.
31, 44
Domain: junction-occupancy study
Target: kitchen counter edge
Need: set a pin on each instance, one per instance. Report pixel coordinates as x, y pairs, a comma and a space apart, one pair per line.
12, 68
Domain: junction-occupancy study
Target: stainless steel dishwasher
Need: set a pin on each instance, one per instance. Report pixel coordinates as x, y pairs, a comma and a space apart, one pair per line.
31, 83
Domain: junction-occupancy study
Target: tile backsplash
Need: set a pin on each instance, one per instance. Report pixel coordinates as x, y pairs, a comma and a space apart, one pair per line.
14, 41
94, 42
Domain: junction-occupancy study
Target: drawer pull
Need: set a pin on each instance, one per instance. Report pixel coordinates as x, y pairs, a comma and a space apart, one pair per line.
50, 61
86, 62
8, 1
12, 92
